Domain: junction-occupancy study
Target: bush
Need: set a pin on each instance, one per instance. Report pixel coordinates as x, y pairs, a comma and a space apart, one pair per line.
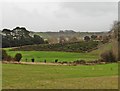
80, 62
4, 55
18, 57
108, 56
44, 61
33, 59
64, 62
87, 38
56, 60
9, 58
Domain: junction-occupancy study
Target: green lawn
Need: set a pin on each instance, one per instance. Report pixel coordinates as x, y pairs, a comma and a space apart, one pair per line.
59, 77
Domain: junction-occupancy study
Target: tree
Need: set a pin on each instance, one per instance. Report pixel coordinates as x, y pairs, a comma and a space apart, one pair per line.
73, 39
105, 39
20, 32
4, 55
38, 40
56, 60
7, 38
62, 39
93, 37
108, 56
87, 38
6, 31
115, 31
19, 36
18, 57
33, 59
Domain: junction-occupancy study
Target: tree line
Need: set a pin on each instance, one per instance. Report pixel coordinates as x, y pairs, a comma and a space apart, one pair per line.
19, 36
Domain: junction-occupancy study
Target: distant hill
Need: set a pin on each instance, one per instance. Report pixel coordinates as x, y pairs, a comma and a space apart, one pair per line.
53, 37
58, 34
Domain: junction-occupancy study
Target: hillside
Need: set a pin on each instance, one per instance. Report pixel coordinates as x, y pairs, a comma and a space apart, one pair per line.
66, 47
40, 53
102, 48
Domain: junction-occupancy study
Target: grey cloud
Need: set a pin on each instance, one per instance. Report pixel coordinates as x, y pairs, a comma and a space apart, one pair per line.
55, 16
92, 8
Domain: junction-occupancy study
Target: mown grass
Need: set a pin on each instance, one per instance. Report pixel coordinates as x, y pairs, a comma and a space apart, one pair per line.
59, 77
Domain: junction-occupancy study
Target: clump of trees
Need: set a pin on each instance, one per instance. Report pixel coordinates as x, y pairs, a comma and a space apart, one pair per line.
102, 38
87, 38
114, 54
6, 57
19, 36
108, 56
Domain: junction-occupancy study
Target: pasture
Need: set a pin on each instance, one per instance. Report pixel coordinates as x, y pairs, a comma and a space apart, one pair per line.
22, 76
50, 56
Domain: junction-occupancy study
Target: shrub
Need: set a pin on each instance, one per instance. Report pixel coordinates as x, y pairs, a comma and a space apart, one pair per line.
4, 55
18, 57
108, 56
87, 38
80, 62
64, 62
9, 58
33, 59
56, 60
44, 61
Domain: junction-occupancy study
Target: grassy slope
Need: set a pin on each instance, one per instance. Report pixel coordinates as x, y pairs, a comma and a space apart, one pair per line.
50, 56
59, 77
102, 48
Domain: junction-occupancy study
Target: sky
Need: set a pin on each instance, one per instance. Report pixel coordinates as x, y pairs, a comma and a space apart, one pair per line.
55, 16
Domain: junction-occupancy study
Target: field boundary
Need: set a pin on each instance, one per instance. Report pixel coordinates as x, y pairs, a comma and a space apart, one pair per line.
50, 63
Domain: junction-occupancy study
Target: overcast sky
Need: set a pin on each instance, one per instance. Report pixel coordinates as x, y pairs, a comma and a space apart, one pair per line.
55, 16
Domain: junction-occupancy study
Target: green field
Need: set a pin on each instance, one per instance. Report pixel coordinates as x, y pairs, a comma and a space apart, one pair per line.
50, 56
103, 48
60, 77
37, 76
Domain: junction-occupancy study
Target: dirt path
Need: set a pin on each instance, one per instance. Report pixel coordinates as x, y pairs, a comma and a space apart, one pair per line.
35, 63
41, 63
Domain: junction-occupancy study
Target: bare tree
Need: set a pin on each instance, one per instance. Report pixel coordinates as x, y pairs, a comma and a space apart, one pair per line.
116, 39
